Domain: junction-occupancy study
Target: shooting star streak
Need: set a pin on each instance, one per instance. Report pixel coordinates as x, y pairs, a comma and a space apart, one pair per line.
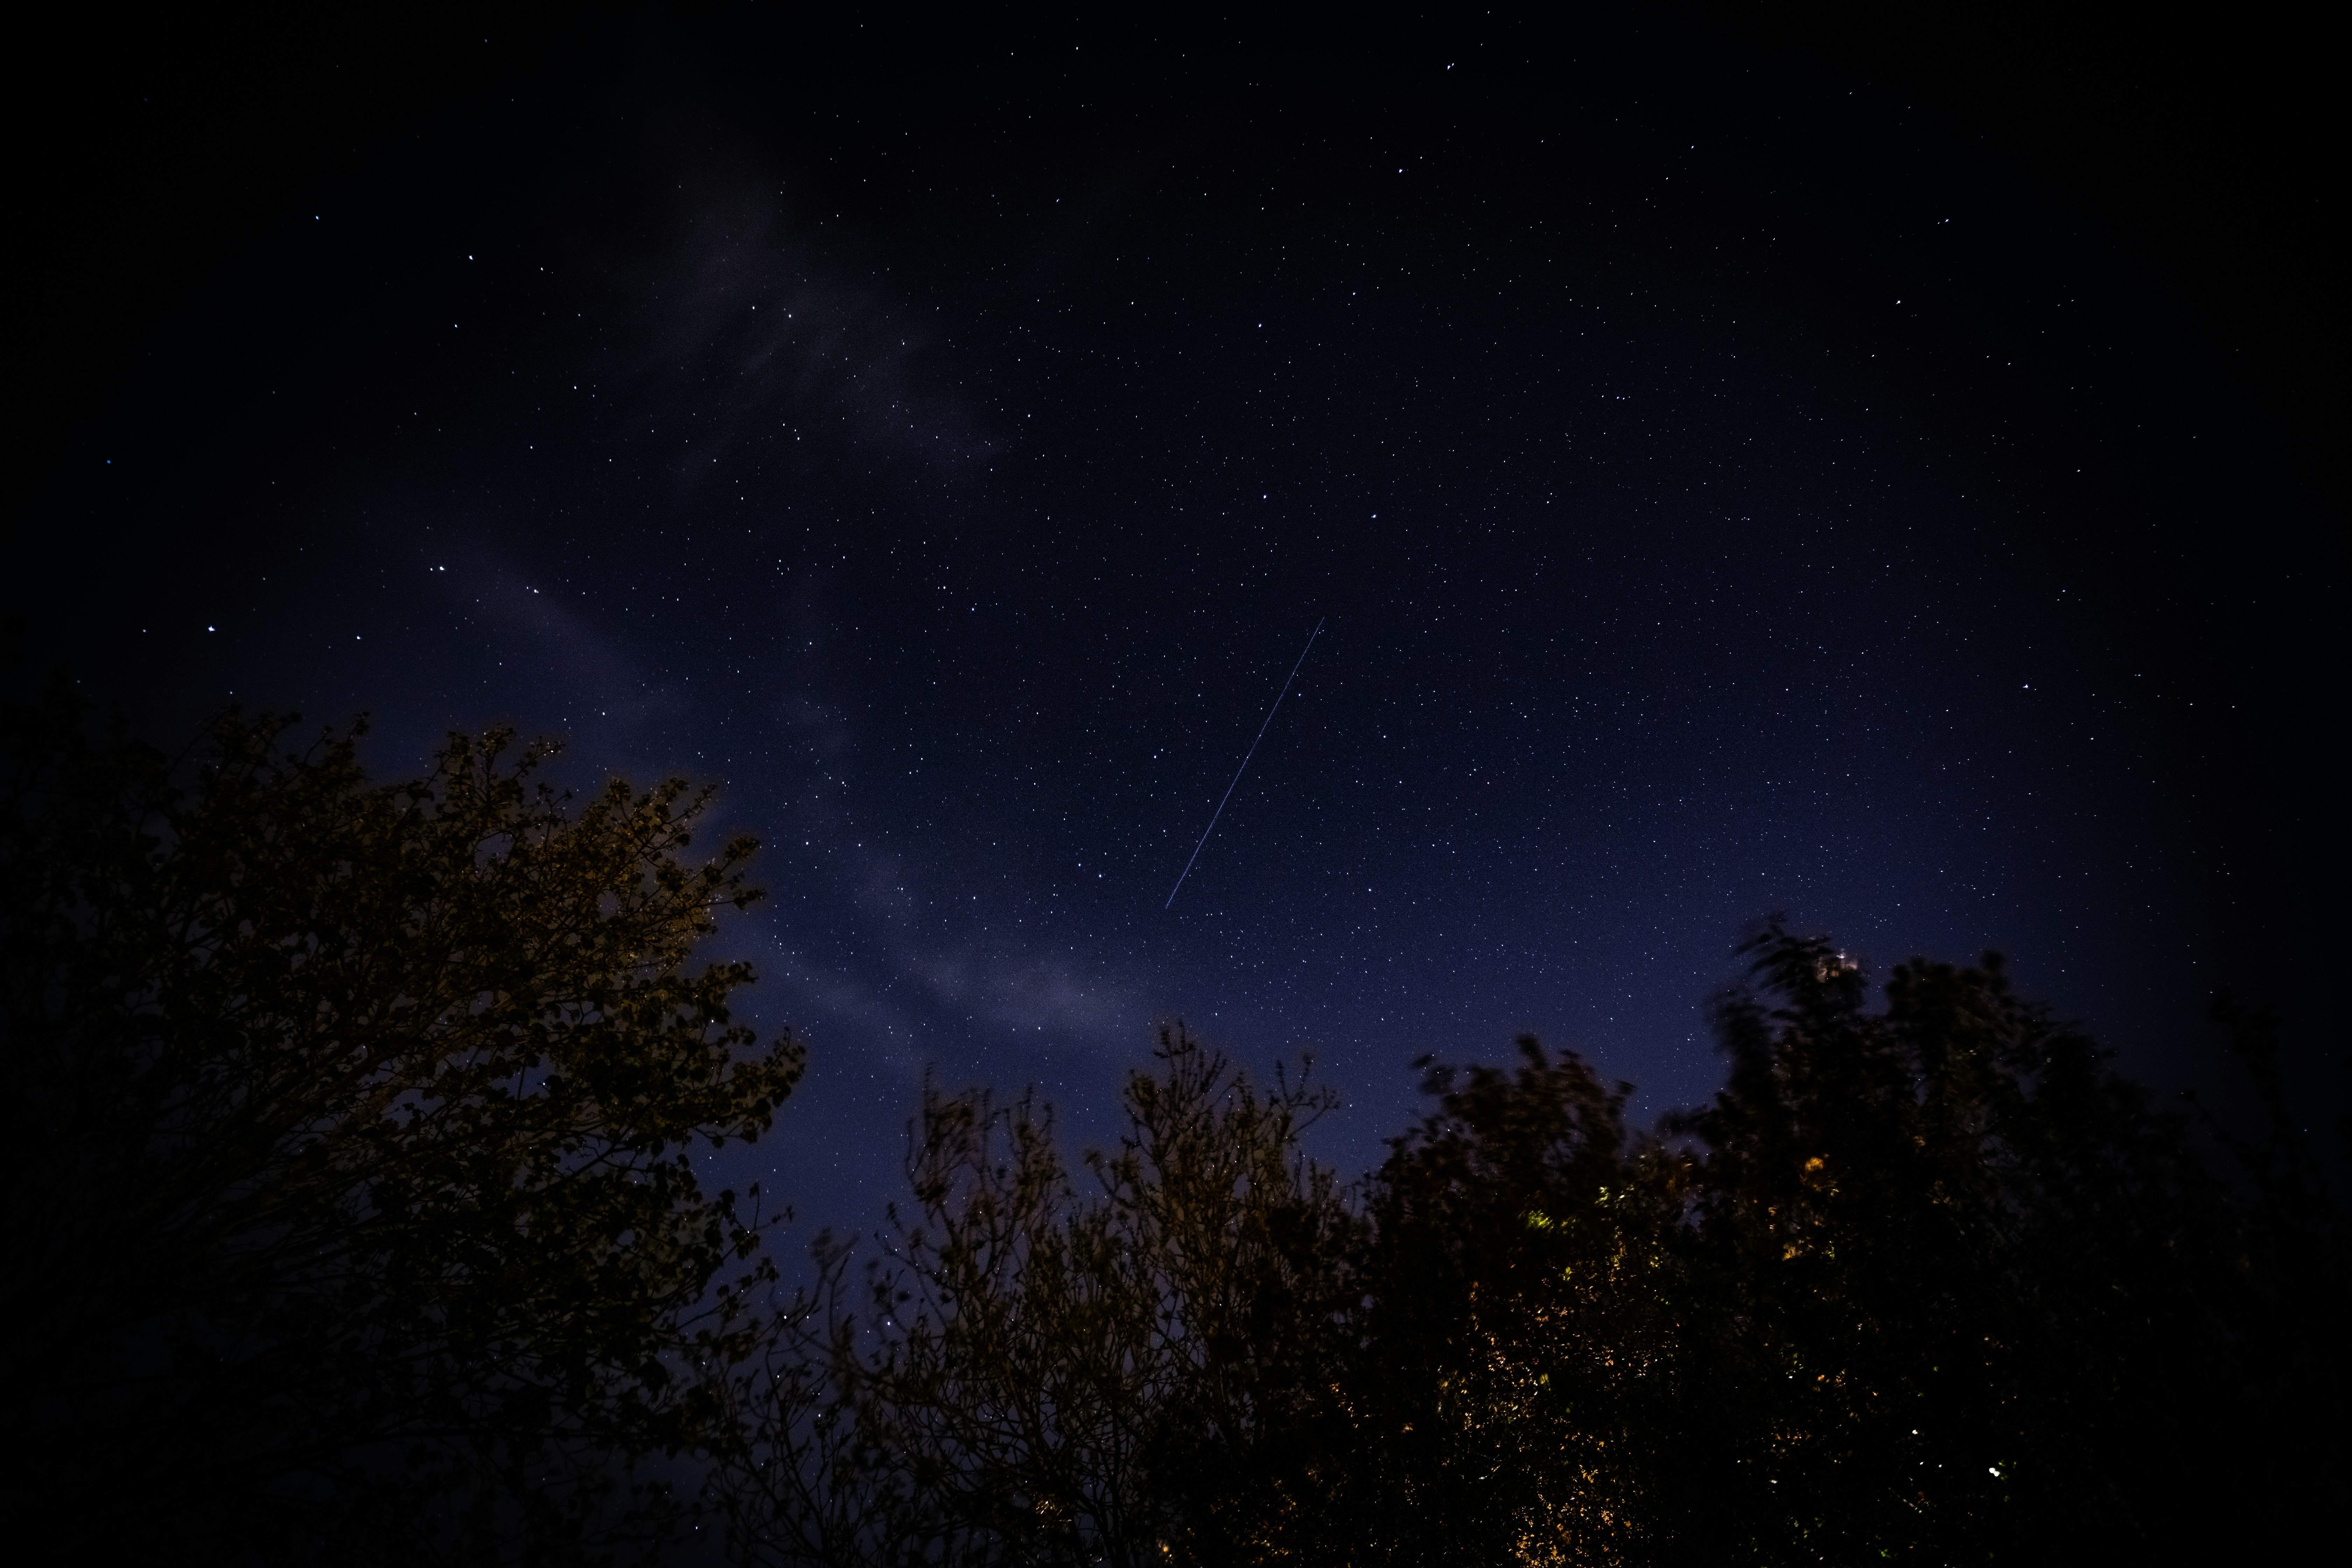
1243, 768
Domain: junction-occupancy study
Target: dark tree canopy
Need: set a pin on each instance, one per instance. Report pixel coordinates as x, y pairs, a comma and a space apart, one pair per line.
1057, 1367
347, 1137
347, 1156
1956, 1289
1927, 1281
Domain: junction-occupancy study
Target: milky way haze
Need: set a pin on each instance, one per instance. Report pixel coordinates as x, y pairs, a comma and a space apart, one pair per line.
1725, 490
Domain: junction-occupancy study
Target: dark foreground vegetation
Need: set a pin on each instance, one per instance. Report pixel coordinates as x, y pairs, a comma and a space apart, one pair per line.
352, 1220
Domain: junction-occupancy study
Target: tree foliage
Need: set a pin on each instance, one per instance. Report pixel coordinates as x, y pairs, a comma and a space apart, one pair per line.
1923, 1281
1926, 1280
347, 1130
1516, 1349
1964, 1293
347, 1143
1047, 1367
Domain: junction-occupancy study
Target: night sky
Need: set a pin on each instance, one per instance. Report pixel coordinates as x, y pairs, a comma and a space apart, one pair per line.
1870, 481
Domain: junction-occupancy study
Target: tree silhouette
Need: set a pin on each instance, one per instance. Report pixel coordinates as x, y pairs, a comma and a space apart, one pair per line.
1929, 1281
347, 1131
1969, 1292
1050, 1371
346, 1139
1513, 1344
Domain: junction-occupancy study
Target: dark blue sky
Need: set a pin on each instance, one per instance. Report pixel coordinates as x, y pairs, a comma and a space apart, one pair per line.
1734, 478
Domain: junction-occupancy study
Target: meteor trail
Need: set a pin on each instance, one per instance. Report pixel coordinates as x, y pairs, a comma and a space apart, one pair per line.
1243, 768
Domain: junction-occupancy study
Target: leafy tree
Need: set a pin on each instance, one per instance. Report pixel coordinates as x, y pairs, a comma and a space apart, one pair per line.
1929, 1281
1961, 1290
1925, 1280
346, 1140
1046, 1371
1514, 1350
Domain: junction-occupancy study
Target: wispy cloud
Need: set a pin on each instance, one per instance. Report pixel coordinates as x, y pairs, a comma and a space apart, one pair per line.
978, 967
747, 329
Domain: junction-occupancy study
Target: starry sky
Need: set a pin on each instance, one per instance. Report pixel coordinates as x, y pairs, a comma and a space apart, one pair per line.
1733, 475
